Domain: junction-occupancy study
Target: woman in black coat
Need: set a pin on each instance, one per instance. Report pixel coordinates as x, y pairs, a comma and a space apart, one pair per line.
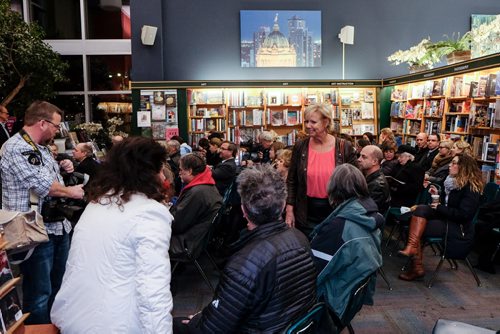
407, 178
453, 210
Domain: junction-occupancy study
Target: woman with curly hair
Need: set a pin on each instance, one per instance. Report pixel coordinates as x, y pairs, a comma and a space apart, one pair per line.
449, 216
119, 252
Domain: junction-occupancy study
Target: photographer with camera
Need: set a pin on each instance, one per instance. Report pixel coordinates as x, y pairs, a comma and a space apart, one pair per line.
31, 179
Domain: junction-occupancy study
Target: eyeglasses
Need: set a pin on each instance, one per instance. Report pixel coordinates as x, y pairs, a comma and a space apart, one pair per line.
225, 148
57, 126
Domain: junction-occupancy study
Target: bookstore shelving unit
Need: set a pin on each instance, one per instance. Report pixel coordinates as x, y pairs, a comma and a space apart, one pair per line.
460, 101
11, 317
245, 112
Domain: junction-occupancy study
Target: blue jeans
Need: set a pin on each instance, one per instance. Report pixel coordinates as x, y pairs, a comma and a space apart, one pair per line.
42, 277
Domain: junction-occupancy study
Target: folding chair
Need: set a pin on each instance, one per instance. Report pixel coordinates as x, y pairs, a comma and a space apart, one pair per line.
308, 323
187, 257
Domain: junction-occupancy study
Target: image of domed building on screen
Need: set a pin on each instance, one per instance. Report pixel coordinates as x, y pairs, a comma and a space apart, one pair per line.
262, 46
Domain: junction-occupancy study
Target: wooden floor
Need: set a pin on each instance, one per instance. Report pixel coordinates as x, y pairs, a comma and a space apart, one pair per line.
410, 307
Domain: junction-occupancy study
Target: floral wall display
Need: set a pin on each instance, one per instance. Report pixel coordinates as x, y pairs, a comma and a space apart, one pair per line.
485, 33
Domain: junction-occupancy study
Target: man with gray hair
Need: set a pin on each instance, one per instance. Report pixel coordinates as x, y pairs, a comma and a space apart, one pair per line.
369, 161
270, 280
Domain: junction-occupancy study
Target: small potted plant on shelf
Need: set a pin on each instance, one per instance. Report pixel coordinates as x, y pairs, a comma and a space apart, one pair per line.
419, 57
455, 49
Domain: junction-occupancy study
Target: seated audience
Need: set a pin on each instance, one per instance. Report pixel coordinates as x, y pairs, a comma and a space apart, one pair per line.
378, 188
451, 215
270, 280
370, 137
273, 152
117, 277
84, 155
386, 136
173, 157
440, 165
184, 148
421, 148
213, 155
360, 143
225, 172
195, 208
346, 245
432, 150
283, 161
390, 160
406, 180
461, 146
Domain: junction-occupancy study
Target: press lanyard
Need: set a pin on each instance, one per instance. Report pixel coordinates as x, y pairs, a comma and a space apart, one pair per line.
30, 142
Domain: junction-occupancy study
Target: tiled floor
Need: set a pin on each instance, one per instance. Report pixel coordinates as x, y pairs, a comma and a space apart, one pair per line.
410, 307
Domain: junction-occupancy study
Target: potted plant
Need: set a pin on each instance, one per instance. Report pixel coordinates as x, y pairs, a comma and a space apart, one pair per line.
456, 49
419, 57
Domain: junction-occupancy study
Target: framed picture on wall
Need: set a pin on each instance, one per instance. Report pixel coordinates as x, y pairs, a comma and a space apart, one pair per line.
485, 34
280, 38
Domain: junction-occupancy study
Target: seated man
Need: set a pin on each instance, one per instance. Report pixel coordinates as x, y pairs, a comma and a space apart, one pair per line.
369, 163
195, 208
270, 280
346, 245
225, 172
83, 154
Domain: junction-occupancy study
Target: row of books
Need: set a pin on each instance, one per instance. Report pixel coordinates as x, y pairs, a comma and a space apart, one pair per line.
486, 85
10, 306
411, 127
283, 117
208, 124
208, 112
458, 123
244, 135
485, 114
432, 126
348, 115
207, 96
485, 147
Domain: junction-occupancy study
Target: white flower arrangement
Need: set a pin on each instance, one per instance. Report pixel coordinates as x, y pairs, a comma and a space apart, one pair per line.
485, 39
92, 129
113, 123
417, 55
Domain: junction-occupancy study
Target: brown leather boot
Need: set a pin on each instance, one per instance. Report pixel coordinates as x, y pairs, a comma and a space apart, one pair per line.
417, 227
417, 267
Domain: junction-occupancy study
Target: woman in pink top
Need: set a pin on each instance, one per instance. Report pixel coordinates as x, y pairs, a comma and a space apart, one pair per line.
313, 162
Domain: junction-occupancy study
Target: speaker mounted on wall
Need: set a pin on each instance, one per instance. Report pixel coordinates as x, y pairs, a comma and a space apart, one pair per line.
148, 34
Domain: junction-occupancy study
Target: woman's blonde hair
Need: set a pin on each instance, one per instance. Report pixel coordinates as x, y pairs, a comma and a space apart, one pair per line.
285, 155
469, 173
464, 147
325, 110
389, 135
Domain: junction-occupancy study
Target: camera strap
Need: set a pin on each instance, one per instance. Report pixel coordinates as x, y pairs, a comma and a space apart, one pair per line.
30, 142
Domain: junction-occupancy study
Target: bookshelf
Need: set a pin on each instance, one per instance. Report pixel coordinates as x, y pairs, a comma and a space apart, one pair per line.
11, 316
242, 113
461, 102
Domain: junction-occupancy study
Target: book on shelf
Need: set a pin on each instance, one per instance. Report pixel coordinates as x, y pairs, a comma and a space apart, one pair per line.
294, 99
496, 121
414, 127
257, 116
488, 173
367, 110
356, 96
345, 100
236, 98
253, 100
438, 87
311, 99
432, 126
489, 152
473, 90
417, 91
418, 110
275, 98
356, 114
369, 96
276, 117
477, 144
291, 117
10, 309
209, 96
482, 86
5, 271
397, 125
428, 88
399, 94
359, 129
456, 86
410, 111
497, 84
248, 116
158, 130
479, 115
347, 131
466, 85
490, 86
346, 117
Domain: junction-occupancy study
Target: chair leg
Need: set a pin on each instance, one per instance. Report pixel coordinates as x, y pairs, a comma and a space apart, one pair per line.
434, 275
384, 277
213, 262
433, 249
473, 272
202, 273
452, 264
495, 252
403, 268
350, 329
396, 224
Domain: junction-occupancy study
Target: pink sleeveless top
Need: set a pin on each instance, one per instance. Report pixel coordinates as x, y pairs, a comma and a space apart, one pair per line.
320, 166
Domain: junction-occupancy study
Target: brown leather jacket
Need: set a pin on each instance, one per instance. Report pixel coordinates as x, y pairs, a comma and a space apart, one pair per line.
297, 174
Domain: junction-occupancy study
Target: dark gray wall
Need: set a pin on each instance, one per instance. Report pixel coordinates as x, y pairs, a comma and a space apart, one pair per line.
200, 39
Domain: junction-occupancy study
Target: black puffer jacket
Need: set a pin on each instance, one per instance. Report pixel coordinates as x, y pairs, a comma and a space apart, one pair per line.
270, 281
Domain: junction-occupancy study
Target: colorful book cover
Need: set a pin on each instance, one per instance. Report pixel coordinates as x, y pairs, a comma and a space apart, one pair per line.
276, 117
